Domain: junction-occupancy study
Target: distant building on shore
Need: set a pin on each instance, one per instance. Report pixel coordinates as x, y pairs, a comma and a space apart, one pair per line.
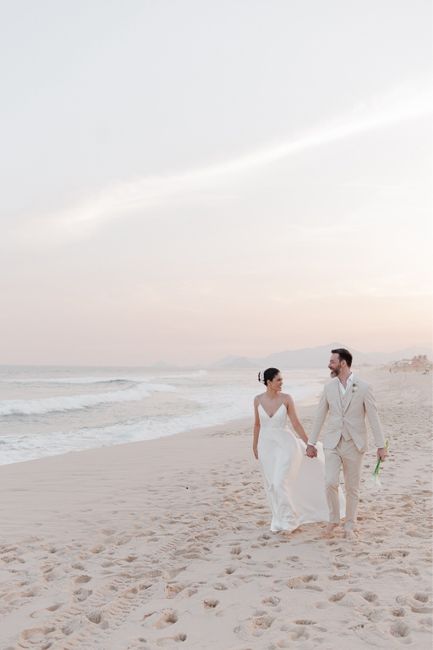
419, 363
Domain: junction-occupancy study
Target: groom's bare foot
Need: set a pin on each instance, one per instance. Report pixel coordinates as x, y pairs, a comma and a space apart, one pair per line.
349, 533
330, 530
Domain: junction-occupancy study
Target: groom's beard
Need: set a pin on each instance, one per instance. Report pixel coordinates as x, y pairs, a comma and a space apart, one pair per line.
334, 374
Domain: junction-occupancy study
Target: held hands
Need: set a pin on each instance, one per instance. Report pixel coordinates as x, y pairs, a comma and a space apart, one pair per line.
311, 451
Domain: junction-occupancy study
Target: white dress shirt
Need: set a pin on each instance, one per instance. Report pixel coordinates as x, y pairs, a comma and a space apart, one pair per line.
343, 388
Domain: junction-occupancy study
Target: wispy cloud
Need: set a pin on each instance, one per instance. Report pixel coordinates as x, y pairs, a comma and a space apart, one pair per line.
402, 104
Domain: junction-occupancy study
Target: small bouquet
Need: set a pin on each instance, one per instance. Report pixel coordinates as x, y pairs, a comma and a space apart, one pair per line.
375, 476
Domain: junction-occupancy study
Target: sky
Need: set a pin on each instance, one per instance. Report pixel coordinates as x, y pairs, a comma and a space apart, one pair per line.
186, 180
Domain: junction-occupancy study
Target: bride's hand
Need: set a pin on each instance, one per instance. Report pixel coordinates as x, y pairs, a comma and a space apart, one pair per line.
256, 452
311, 451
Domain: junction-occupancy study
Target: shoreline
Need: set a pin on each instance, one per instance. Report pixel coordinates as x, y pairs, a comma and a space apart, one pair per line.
310, 399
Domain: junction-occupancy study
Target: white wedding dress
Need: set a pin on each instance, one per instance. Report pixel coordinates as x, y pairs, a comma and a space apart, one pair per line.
294, 483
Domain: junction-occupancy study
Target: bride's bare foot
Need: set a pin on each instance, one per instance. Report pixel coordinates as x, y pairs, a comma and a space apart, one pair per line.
330, 530
349, 533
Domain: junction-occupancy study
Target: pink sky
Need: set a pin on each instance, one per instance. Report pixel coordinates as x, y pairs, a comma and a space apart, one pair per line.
189, 189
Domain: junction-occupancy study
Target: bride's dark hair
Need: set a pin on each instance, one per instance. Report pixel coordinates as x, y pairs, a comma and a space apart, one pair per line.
268, 375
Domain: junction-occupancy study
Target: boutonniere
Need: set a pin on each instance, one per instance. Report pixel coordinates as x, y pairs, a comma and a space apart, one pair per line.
354, 388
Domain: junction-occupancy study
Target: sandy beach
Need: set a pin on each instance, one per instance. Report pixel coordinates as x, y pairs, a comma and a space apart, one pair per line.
166, 543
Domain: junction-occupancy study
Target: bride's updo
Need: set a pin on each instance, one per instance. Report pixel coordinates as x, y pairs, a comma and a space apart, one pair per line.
267, 375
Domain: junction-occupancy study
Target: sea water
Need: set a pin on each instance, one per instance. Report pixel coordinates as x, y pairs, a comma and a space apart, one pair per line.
46, 410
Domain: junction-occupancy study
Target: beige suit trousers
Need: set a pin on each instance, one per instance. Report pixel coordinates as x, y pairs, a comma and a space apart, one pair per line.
347, 454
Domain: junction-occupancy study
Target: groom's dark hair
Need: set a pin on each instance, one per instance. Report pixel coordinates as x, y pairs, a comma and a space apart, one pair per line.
344, 355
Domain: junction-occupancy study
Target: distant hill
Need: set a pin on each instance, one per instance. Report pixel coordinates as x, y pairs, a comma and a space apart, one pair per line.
307, 357
235, 362
317, 357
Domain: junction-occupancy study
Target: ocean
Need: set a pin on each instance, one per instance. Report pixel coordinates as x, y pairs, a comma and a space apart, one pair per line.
46, 410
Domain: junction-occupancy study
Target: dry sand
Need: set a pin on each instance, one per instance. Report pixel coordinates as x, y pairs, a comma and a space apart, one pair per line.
166, 543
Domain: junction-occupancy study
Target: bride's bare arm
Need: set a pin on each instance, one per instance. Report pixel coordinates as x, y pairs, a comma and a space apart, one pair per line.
256, 427
291, 411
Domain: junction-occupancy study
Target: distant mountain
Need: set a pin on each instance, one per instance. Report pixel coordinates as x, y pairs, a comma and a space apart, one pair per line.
317, 357
235, 362
306, 357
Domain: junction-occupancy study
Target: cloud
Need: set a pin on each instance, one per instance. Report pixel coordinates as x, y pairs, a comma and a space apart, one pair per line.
402, 104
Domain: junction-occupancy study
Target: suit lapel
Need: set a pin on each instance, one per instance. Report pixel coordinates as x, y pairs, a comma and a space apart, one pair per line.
338, 393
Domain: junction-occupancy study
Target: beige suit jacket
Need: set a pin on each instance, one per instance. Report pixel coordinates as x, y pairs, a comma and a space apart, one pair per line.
347, 413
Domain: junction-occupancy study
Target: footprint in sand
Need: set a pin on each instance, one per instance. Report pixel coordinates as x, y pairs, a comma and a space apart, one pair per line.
167, 640
51, 574
236, 550
299, 635
52, 549
369, 596
271, 600
398, 612
172, 589
169, 617
30, 593
393, 554
191, 592
133, 591
210, 603
43, 612
304, 622
260, 623
97, 549
339, 565
82, 579
94, 616
82, 594
418, 603
78, 566
399, 629
54, 608
421, 597
415, 532
295, 633
335, 598
340, 576
38, 636
299, 582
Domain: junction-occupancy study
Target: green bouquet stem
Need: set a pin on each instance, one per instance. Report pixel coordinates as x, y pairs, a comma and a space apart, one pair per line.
379, 461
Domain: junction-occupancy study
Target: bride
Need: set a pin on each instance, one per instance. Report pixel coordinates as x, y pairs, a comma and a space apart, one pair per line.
294, 484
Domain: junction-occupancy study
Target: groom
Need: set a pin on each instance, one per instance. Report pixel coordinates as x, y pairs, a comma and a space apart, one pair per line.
346, 400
